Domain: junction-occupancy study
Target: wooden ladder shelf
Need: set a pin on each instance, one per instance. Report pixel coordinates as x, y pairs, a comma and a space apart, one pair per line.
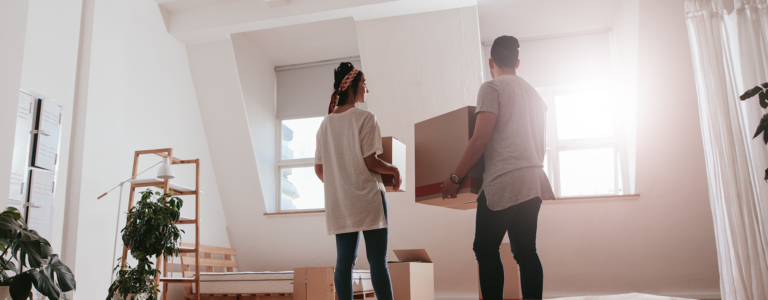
177, 191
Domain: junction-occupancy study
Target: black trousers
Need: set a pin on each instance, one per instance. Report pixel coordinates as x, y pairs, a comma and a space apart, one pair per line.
520, 222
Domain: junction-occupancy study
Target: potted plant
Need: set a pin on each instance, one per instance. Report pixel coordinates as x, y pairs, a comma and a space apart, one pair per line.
27, 260
762, 92
151, 231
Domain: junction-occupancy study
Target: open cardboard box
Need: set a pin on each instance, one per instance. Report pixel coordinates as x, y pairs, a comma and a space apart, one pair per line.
413, 275
439, 144
394, 153
512, 290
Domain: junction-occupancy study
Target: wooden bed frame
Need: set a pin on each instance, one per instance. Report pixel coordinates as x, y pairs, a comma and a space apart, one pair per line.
318, 282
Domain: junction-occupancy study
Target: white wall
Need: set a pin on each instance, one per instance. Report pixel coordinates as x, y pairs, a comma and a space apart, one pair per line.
232, 147
50, 69
258, 81
139, 95
13, 27
662, 243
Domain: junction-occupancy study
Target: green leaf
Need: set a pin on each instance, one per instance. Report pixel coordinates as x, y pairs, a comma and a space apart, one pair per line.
43, 282
751, 93
12, 228
765, 85
761, 126
763, 100
31, 252
21, 286
766, 175
12, 212
64, 276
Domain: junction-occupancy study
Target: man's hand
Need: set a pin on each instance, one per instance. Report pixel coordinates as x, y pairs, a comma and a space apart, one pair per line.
449, 189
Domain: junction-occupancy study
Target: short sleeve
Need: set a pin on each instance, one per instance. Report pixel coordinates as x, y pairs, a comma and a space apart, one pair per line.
318, 148
488, 98
370, 137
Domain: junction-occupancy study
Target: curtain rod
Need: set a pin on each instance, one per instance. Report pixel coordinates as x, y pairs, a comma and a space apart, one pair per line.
557, 35
317, 63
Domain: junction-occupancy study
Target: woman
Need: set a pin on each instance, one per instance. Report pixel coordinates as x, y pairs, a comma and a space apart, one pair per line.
345, 161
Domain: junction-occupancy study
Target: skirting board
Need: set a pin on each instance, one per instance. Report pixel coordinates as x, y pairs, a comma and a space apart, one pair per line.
702, 296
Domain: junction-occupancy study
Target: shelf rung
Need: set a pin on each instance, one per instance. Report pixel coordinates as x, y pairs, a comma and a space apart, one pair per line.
186, 250
182, 222
176, 280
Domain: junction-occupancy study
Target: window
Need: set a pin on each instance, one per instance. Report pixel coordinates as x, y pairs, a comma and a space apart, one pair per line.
586, 153
299, 187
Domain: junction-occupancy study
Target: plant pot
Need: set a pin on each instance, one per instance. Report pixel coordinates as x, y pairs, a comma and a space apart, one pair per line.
4, 293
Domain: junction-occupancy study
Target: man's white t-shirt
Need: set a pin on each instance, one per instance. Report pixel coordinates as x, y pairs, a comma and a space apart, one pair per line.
514, 158
352, 192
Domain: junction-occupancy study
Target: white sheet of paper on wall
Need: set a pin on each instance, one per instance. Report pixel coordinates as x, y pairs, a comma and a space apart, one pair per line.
47, 145
40, 202
21, 148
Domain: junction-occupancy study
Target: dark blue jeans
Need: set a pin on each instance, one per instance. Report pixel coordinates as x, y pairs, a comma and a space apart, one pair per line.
520, 222
376, 249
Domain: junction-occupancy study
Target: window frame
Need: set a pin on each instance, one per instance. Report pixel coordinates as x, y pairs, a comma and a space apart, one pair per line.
281, 164
555, 145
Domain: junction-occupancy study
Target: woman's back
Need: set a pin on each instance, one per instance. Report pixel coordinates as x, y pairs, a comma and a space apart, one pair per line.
352, 192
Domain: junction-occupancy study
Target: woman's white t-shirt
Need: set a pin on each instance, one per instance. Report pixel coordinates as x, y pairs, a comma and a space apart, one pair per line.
352, 192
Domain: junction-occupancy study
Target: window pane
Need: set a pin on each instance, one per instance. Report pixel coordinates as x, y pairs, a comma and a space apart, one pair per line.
583, 116
298, 138
300, 189
587, 172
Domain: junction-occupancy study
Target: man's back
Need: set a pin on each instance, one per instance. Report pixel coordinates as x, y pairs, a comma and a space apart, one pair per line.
514, 158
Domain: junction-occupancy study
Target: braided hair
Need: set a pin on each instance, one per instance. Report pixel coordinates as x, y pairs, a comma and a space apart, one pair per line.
339, 74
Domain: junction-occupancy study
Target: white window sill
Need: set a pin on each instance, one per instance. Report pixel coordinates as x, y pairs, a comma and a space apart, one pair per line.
631, 197
295, 212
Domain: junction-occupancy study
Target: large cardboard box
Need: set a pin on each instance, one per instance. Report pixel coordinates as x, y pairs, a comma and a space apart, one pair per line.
512, 290
413, 275
439, 144
394, 153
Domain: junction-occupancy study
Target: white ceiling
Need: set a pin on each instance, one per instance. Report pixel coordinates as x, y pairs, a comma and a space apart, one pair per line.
309, 42
178, 5
307, 34
530, 18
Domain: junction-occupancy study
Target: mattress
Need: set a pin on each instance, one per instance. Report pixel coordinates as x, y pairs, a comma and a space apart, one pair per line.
266, 282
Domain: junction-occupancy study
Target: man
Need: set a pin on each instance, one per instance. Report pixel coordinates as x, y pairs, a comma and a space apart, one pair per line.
511, 131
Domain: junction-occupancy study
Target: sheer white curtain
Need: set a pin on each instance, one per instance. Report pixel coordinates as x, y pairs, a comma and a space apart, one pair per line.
730, 53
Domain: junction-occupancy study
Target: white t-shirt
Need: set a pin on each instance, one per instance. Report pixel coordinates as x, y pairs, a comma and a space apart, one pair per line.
514, 158
352, 192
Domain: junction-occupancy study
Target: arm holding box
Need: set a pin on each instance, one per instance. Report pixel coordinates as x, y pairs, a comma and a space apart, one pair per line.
475, 149
373, 163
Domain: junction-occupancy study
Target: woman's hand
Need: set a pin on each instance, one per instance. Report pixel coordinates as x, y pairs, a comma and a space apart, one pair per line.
449, 189
398, 180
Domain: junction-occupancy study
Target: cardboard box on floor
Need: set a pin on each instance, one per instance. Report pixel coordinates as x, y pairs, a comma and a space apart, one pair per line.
394, 153
413, 276
512, 290
439, 145
313, 284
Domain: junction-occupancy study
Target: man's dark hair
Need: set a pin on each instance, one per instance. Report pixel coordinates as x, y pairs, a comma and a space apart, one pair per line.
505, 51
